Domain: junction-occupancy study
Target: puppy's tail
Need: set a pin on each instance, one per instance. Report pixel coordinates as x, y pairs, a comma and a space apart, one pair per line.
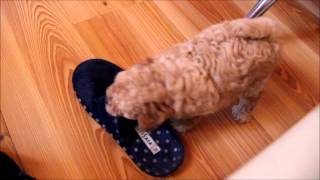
256, 28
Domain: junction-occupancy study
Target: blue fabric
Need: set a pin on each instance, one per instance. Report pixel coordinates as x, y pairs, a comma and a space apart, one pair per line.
90, 81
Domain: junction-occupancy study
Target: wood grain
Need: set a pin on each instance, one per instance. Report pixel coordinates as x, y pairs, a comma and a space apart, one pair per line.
77, 11
43, 41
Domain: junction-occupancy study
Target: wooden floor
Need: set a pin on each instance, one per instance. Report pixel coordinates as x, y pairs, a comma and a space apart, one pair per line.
44, 129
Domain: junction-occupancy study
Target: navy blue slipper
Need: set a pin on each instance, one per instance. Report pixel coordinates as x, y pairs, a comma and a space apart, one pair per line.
158, 152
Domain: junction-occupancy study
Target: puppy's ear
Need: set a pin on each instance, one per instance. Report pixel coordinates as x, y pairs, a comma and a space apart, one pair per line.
148, 121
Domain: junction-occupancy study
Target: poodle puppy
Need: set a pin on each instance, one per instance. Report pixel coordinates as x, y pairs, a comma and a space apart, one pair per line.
226, 64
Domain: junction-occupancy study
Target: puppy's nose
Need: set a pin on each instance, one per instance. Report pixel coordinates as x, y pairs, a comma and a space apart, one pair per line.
108, 99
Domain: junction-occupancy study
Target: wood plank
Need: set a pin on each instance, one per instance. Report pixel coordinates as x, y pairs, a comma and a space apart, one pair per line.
6, 144
59, 133
43, 41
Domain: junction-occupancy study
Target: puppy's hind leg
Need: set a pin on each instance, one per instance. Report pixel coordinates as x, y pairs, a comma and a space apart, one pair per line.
247, 101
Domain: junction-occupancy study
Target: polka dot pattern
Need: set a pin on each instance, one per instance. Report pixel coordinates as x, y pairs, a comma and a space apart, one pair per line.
90, 80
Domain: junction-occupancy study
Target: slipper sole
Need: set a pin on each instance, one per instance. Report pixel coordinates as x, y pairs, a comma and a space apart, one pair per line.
158, 152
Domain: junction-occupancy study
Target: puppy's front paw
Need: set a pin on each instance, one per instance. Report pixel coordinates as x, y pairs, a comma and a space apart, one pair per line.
180, 127
240, 114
